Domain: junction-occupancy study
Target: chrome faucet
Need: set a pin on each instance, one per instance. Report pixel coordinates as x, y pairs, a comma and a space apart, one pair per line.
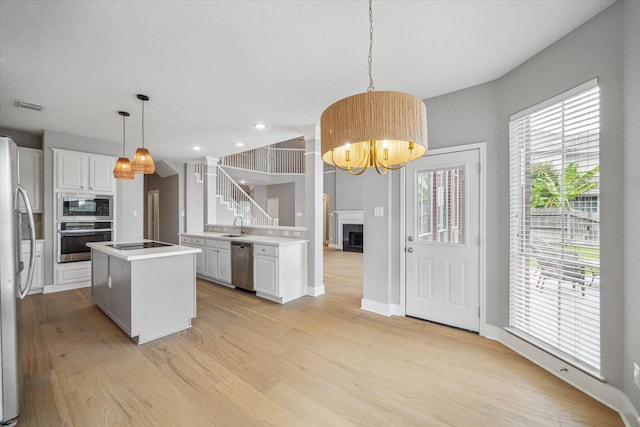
242, 229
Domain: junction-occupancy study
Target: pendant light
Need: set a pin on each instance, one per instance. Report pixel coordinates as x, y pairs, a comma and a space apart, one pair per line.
123, 165
142, 161
383, 130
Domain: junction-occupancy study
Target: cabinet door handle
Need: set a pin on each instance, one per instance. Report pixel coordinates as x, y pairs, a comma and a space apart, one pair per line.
109, 282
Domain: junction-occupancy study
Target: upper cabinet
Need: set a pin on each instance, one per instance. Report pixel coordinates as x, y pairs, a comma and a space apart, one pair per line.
78, 171
30, 176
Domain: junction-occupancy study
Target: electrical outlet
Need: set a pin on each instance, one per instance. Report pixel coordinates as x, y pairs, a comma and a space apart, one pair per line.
636, 375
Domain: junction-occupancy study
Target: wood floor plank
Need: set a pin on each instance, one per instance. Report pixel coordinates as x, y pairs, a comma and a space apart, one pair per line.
314, 361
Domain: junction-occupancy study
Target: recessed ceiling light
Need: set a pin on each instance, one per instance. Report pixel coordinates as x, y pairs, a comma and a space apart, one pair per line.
242, 181
239, 144
195, 148
260, 126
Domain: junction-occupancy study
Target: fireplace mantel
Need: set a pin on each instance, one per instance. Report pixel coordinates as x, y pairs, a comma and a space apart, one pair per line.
346, 217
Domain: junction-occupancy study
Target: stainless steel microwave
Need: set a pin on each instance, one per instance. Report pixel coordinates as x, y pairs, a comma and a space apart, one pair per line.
82, 207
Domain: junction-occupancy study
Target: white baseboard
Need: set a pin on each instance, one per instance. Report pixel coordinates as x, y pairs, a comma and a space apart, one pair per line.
315, 291
601, 391
333, 246
66, 287
381, 308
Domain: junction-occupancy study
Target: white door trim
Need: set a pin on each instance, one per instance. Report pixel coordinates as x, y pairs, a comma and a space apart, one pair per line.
481, 147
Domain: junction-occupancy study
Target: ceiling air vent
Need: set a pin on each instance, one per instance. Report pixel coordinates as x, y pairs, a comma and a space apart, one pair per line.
28, 105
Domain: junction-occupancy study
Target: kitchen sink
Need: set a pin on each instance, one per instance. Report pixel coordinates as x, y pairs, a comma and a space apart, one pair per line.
231, 235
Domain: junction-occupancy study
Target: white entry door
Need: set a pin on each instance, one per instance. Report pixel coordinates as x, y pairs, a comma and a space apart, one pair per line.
442, 238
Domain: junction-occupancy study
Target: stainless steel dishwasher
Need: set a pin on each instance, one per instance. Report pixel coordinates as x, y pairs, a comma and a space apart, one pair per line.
242, 265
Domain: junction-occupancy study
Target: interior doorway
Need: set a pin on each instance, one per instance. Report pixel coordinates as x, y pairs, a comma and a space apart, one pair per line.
153, 215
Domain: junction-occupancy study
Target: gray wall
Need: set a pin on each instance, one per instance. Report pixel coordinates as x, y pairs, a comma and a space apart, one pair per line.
482, 113
631, 117
169, 195
22, 138
130, 209
349, 191
194, 200
286, 202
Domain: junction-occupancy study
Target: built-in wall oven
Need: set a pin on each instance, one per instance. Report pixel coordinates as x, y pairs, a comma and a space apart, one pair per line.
84, 207
73, 237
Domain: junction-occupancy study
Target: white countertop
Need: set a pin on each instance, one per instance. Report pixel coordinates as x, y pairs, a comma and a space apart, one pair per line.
249, 238
138, 254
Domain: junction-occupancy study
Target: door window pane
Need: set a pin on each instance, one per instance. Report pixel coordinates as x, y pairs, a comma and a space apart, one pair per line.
439, 205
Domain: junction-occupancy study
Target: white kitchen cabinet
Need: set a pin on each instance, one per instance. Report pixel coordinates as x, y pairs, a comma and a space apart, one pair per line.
101, 173
217, 260
279, 271
265, 273
79, 171
30, 176
279, 266
38, 277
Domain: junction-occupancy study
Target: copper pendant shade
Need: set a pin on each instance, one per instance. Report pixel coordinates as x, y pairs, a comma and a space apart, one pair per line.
123, 169
382, 130
142, 161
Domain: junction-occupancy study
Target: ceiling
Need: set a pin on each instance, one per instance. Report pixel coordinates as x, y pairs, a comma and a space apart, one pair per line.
213, 69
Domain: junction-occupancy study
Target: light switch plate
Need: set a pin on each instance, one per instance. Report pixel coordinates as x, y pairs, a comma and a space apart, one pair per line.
636, 375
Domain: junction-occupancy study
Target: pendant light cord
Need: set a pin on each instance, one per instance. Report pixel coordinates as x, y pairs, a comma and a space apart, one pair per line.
371, 88
142, 123
124, 140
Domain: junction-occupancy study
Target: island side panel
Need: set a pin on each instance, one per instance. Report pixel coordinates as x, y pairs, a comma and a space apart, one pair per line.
120, 293
100, 279
163, 296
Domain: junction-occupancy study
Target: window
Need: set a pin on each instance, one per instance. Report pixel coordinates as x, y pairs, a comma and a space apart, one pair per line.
440, 193
555, 226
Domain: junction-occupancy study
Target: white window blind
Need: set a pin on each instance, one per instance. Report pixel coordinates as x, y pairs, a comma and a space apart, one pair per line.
554, 234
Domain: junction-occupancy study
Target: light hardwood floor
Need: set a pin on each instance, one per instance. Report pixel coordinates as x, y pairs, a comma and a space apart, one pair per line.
315, 361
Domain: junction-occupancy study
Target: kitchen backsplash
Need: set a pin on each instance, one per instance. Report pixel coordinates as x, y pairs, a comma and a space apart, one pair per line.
290, 232
37, 222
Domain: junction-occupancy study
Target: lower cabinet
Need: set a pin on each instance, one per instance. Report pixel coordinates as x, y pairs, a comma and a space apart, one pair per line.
265, 271
37, 283
217, 255
279, 272
111, 288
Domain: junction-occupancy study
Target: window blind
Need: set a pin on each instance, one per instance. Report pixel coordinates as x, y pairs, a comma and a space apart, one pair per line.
554, 232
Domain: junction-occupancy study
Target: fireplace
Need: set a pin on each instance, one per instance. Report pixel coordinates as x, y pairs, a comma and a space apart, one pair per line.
352, 237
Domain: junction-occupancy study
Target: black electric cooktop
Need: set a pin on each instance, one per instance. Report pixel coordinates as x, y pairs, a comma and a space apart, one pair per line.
138, 245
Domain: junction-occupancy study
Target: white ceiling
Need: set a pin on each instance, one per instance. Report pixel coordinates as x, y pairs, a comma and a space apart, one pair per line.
214, 68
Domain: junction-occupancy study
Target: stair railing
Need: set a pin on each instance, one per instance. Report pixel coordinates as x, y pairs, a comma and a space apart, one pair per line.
270, 160
240, 202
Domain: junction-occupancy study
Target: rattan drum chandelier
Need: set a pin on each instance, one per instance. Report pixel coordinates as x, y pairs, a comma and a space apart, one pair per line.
384, 130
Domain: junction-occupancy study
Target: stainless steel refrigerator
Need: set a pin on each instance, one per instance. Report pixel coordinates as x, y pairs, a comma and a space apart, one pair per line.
11, 267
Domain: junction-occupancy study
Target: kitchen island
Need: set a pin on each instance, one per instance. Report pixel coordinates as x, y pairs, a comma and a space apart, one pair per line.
147, 288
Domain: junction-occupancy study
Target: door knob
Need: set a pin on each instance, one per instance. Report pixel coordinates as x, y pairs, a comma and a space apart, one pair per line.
410, 238
409, 250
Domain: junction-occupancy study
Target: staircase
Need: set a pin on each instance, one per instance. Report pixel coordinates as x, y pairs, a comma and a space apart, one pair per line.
239, 202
